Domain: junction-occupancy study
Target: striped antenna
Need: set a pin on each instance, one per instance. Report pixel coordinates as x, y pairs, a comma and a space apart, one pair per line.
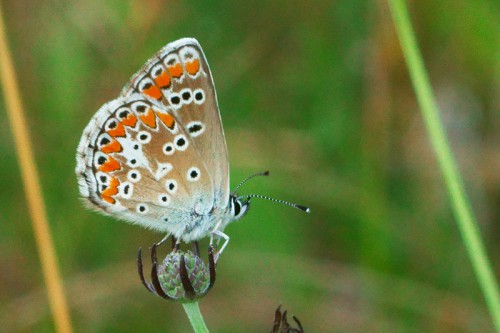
265, 173
302, 208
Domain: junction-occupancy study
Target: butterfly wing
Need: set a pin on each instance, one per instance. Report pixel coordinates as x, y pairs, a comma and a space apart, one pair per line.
178, 77
136, 162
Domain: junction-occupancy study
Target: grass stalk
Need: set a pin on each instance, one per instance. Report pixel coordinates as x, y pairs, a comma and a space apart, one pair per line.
195, 317
34, 199
461, 207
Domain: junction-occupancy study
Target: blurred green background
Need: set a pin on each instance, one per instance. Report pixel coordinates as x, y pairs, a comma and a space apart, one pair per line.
316, 92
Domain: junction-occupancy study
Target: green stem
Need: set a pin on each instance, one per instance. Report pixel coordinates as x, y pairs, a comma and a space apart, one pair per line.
195, 317
461, 207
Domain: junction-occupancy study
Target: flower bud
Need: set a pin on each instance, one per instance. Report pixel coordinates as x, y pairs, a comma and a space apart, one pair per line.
170, 275
181, 276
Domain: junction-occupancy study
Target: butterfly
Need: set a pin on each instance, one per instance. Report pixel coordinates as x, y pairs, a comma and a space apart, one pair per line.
156, 156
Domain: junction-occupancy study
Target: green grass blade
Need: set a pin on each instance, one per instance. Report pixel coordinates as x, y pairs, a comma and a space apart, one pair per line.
461, 207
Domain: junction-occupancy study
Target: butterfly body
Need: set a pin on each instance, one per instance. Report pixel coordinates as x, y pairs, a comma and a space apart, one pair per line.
156, 156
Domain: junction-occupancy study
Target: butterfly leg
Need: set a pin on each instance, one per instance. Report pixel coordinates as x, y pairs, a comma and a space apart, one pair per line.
213, 233
176, 244
220, 234
163, 240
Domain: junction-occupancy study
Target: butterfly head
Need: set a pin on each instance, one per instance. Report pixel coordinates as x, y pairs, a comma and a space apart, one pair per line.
238, 207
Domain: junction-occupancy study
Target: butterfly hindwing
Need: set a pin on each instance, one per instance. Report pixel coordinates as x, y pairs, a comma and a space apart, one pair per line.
135, 161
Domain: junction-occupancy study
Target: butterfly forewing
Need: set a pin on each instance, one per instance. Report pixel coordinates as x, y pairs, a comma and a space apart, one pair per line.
136, 161
179, 78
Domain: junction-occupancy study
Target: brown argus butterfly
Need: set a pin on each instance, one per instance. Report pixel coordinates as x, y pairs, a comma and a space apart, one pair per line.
156, 156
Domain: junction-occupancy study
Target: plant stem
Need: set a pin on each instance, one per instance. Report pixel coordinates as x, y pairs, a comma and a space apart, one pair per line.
461, 207
195, 317
34, 199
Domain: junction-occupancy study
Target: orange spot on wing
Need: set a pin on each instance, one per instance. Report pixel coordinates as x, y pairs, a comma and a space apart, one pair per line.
167, 119
175, 70
112, 189
149, 118
114, 182
112, 147
163, 81
131, 120
110, 165
119, 130
193, 66
153, 91
108, 199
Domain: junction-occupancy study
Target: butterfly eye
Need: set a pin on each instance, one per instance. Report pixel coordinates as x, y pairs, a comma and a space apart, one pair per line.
144, 137
134, 176
168, 149
199, 96
238, 209
193, 174
181, 142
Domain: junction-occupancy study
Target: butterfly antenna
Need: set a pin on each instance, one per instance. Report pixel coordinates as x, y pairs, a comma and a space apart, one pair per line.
265, 173
302, 208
